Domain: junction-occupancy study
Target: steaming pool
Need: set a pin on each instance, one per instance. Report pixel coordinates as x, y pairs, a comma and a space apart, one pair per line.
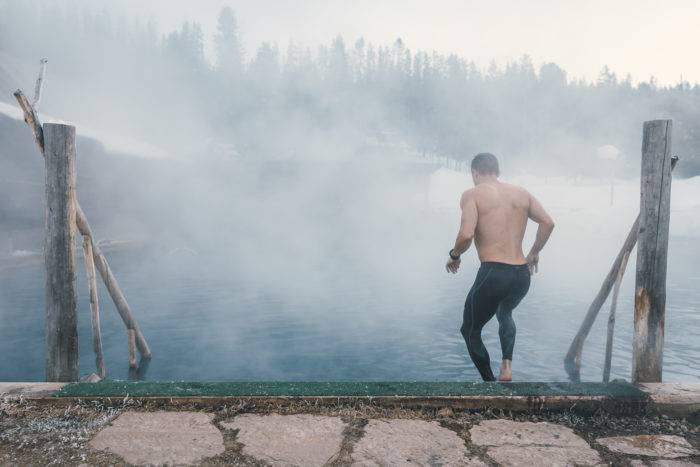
340, 324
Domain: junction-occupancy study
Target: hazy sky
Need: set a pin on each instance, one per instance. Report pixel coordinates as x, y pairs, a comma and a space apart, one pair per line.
639, 37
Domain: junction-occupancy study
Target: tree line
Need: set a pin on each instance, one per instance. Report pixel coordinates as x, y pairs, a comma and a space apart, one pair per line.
343, 96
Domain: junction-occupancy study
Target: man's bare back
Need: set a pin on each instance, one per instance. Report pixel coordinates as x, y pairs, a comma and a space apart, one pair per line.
494, 216
501, 217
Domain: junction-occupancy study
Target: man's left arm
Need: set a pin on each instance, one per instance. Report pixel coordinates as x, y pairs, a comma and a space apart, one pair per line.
467, 228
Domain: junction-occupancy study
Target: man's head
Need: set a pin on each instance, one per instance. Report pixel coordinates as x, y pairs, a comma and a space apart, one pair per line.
484, 166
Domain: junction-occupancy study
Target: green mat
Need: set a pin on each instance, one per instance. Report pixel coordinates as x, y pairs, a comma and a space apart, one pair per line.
115, 388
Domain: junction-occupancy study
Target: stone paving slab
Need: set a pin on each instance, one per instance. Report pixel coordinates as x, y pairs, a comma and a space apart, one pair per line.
157, 438
662, 463
671, 463
500, 432
668, 446
29, 390
289, 440
677, 392
403, 442
513, 443
677, 399
551, 456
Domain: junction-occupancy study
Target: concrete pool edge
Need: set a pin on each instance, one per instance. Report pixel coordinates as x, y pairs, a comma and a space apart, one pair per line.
671, 399
344, 389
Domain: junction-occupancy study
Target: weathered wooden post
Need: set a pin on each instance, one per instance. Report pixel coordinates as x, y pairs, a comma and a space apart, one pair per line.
611, 318
59, 254
652, 250
132, 348
94, 307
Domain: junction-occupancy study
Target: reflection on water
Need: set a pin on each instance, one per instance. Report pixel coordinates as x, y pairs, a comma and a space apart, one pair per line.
340, 324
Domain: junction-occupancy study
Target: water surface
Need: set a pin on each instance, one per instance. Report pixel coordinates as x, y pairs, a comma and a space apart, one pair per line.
343, 324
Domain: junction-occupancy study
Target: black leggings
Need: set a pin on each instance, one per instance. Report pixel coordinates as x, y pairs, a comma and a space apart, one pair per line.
497, 289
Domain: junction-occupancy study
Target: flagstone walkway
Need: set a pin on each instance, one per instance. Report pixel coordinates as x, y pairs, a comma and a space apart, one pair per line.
38, 426
309, 440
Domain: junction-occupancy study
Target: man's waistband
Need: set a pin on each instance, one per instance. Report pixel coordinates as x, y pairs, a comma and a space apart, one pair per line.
495, 264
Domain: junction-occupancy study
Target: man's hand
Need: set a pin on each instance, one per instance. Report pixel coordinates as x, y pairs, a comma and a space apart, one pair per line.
532, 261
453, 265
544, 229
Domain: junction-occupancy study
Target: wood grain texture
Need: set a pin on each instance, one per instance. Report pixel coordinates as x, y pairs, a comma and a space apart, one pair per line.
652, 253
59, 254
94, 307
611, 319
132, 348
112, 285
31, 118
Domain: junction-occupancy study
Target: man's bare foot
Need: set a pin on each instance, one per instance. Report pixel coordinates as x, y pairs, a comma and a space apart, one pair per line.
506, 371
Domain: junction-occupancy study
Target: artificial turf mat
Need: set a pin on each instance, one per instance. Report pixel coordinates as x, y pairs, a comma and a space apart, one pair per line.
116, 388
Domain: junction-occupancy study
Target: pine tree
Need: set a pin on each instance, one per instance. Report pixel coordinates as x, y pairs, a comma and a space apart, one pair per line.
229, 57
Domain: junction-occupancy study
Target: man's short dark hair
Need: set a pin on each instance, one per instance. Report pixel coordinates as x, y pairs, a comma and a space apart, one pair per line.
485, 163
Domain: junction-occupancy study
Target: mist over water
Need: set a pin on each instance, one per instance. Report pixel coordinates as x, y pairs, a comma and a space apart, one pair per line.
287, 216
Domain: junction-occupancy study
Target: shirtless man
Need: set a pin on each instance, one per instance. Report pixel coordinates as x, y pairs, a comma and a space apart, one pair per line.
494, 215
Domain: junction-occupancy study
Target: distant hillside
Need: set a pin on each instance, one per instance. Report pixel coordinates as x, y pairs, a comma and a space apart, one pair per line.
111, 187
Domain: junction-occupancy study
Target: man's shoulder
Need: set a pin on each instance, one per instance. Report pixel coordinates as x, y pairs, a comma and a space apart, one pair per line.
468, 194
517, 189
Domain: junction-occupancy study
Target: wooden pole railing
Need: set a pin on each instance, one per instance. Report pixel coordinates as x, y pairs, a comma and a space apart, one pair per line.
111, 283
572, 361
59, 254
611, 318
94, 307
62, 363
652, 253
656, 173
132, 348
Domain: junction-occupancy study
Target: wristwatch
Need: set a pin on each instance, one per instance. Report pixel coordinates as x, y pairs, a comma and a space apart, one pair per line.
454, 258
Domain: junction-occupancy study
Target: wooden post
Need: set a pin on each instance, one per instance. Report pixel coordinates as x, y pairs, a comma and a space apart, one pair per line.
652, 251
94, 307
572, 361
59, 254
31, 118
132, 348
39, 83
611, 319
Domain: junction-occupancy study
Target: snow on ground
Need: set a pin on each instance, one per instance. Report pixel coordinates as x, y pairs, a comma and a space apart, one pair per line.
112, 142
582, 206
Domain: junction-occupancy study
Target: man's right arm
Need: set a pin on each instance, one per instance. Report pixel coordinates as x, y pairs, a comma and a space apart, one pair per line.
544, 229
